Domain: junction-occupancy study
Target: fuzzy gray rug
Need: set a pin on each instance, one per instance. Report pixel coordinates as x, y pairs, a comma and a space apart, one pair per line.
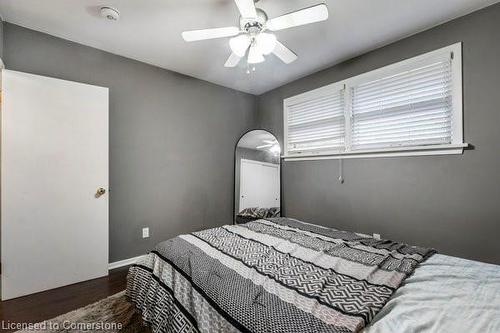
112, 314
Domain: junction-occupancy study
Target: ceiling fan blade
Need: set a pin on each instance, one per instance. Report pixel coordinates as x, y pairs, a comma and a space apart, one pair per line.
246, 8
284, 53
194, 35
233, 60
304, 16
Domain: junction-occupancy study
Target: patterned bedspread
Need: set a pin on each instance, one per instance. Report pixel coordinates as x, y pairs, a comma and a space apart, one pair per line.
274, 275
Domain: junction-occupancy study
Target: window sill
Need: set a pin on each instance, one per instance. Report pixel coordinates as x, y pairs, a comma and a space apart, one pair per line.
451, 149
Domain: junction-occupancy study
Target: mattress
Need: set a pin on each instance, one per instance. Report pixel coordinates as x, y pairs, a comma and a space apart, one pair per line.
445, 294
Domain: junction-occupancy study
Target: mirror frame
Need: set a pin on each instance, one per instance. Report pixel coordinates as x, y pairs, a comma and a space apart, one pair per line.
234, 171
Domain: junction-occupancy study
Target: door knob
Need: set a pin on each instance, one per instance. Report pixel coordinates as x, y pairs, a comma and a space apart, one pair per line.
100, 191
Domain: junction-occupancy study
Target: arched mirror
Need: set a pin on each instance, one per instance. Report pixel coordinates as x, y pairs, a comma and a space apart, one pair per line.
257, 177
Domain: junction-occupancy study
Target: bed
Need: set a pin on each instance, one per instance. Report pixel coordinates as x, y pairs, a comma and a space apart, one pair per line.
256, 213
284, 275
446, 295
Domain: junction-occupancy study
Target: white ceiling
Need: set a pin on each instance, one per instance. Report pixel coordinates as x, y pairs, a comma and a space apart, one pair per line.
255, 138
150, 31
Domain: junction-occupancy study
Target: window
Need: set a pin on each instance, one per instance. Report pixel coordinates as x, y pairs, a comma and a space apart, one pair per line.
410, 108
316, 121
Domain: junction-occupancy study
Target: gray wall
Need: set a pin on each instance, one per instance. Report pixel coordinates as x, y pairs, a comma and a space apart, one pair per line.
171, 148
171, 163
451, 203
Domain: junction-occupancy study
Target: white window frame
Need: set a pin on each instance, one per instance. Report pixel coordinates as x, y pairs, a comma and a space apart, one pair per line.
457, 144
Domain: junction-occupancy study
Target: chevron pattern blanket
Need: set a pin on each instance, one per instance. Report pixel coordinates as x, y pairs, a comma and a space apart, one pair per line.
275, 275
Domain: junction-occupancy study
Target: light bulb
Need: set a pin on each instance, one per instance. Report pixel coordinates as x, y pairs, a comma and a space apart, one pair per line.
255, 56
276, 149
266, 42
240, 44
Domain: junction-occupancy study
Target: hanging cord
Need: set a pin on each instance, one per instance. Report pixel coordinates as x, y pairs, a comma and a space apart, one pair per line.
341, 171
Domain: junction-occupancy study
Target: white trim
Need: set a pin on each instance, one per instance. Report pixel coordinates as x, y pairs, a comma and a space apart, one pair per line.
124, 262
455, 147
452, 149
2, 67
457, 127
285, 128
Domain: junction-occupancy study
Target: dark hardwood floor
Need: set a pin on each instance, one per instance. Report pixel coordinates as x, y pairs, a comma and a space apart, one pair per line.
52, 303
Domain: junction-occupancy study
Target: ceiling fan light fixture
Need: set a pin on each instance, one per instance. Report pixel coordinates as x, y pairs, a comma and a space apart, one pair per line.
255, 56
265, 42
276, 149
240, 44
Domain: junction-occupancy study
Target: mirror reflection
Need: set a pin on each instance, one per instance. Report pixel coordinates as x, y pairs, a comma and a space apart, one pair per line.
257, 177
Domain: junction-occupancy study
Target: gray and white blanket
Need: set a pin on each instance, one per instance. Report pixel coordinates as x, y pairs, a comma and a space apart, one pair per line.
274, 275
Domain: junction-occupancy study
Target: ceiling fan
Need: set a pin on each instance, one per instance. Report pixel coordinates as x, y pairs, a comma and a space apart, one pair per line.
267, 144
254, 37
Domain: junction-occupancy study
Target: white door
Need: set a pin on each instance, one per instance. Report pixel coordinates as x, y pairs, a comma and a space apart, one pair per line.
54, 157
259, 184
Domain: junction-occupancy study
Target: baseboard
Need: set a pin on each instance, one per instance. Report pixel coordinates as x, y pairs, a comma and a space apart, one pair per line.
124, 262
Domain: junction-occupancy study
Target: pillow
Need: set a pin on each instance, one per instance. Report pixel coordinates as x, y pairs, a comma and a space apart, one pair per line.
257, 212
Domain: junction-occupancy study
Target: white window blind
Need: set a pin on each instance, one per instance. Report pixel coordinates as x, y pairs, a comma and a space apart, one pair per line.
316, 122
413, 107
407, 109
